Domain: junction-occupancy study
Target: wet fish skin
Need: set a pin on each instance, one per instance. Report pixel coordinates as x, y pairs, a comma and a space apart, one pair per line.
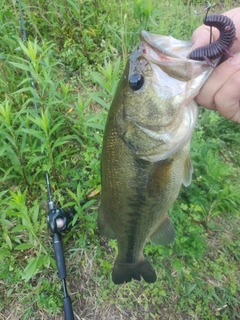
146, 152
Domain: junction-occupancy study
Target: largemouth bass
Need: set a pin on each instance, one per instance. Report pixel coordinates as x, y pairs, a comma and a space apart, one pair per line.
145, 155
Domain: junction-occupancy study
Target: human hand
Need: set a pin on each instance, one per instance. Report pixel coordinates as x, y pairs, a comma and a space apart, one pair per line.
221, 91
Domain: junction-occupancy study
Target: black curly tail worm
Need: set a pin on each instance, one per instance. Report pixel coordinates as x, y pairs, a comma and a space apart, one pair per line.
225, 41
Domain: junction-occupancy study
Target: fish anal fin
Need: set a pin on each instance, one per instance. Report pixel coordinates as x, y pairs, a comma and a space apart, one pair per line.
164, 234
187, 171
125, 272
159, 177
103, 226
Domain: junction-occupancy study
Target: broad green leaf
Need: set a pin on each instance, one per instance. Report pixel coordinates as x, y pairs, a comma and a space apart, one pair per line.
4, 253
19, 228
95, 125
75, 9
73, 195
21, 66
104, 84
24, 246
35, 214
46, 260
7, 239
96, 96
5, 222
88, 204
31, 269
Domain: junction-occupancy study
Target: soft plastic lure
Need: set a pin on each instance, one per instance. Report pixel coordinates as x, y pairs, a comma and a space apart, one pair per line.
225, 41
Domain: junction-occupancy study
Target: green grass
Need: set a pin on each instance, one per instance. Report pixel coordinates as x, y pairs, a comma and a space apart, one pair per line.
77, 51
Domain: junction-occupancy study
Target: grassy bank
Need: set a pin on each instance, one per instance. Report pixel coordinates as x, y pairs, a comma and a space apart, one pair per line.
77, 51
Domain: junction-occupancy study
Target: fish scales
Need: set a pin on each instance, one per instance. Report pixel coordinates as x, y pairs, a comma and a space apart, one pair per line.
146, 150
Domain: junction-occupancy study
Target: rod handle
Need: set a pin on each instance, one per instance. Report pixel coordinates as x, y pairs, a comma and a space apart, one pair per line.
59, 255
68, 311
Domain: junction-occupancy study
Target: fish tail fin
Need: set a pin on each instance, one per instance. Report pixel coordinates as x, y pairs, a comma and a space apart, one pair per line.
125, 272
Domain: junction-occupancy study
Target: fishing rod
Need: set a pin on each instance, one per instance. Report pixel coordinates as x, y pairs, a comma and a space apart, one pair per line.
58, 218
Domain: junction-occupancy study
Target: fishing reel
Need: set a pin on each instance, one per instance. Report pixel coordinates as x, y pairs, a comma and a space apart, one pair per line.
59, 220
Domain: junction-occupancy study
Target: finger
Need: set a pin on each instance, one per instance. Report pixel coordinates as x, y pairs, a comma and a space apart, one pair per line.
201, 36
217, 79
227, 100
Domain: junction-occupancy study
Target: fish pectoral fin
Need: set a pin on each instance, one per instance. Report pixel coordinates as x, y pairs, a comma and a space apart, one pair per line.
165, 233
187, 173
103, 226
159, 178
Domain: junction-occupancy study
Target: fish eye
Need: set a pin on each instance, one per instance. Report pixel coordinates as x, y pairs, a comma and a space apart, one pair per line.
136, 81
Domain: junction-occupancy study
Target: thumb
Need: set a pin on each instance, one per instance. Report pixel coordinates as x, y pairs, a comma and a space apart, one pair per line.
201, 37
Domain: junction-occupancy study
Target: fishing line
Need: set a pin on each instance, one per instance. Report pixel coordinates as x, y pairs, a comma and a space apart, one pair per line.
58, 219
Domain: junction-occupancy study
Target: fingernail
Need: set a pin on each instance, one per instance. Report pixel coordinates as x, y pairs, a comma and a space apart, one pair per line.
236, 59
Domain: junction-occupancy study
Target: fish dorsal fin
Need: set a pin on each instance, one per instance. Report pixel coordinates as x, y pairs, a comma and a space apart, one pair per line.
165, 233
187, 172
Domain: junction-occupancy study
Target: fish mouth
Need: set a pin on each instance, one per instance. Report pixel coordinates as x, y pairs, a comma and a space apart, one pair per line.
167, 47
171, 55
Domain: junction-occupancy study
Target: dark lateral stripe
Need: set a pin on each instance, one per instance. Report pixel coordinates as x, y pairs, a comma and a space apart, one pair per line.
137, 203
130, 245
